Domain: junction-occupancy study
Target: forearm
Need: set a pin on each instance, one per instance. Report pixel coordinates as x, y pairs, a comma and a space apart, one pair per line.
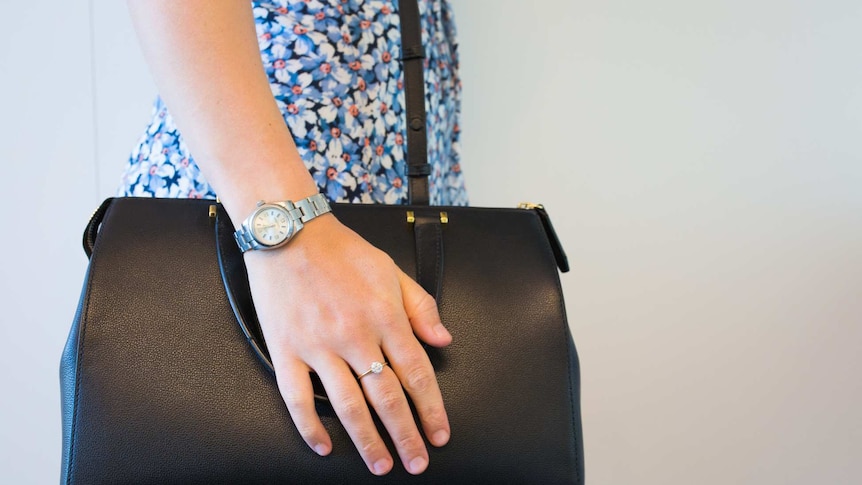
206, 63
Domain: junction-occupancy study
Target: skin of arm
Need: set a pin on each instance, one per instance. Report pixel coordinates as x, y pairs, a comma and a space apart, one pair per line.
328, 301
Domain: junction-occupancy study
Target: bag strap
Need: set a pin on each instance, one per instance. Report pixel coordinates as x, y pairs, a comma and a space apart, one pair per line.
413, 59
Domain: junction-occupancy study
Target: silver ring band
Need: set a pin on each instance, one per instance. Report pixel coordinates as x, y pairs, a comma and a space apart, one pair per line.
376, 368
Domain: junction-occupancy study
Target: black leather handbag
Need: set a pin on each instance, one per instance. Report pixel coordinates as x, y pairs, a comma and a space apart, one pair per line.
166, 377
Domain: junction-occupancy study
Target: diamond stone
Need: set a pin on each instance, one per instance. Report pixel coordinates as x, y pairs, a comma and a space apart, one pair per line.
376, 367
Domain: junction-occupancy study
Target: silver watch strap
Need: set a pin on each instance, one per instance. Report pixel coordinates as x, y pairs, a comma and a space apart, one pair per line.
312, 207
243, 240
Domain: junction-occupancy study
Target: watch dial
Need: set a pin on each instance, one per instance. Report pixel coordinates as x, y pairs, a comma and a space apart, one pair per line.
271, 226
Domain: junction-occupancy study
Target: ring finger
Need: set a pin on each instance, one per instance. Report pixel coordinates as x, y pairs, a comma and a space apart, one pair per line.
349, 404
383, 390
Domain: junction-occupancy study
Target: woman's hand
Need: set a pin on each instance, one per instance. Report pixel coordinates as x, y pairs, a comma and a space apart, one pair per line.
332, 303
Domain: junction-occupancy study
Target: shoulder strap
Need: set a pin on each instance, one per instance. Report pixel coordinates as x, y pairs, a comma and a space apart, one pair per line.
413, 58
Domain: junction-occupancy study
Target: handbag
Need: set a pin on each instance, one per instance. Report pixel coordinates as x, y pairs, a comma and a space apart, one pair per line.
166, 378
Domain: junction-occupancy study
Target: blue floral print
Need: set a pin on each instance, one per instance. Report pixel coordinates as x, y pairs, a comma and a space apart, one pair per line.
335, 72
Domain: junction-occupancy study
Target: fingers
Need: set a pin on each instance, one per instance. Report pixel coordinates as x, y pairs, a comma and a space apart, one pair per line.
409, 369
416, 375
411, 364
294, 384
386, 395
349, 404
422, 311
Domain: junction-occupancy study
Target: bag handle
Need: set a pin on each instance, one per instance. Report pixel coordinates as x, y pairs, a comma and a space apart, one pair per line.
413, 60
92, 228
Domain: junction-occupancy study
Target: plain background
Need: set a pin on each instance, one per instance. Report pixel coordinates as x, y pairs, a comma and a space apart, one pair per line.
701, 162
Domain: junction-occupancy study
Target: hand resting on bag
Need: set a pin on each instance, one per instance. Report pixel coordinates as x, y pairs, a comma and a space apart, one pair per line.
332, 303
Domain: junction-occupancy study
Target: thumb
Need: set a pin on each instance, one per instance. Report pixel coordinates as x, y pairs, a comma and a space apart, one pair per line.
422, 311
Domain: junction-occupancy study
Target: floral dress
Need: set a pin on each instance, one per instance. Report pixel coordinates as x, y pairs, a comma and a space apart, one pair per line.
335, 73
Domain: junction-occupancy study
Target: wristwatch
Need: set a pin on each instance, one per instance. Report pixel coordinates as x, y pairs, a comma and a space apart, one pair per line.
272, 224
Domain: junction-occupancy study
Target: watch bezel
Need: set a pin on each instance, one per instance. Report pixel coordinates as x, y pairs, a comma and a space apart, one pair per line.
291, 225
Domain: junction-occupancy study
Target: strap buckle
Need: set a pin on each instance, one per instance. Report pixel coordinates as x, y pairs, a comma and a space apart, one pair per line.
412, 52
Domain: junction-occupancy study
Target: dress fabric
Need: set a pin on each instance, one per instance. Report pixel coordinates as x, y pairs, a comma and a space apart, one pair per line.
335, 72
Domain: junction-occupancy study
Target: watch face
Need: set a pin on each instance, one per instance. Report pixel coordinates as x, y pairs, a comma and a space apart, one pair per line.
271, 226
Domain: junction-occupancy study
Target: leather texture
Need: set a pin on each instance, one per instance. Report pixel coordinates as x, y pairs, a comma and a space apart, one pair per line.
160, 384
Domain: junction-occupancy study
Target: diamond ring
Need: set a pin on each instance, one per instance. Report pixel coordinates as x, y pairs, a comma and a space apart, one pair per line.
376, 368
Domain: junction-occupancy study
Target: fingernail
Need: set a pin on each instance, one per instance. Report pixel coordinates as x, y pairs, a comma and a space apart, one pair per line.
441, 331
418, 464
440, 437
381, 466
321, 449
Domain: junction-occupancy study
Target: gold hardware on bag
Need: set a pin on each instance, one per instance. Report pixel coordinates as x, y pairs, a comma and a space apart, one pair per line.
444, 217
212, 212
530, 205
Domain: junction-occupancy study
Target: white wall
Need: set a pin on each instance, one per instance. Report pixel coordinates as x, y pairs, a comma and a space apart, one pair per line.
47, 190
700, 161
